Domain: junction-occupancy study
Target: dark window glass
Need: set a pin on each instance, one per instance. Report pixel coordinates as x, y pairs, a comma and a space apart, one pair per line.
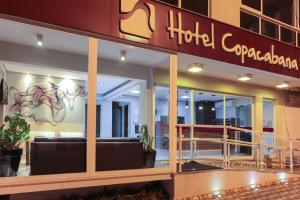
256, 4
298, 39
279, 9
288, 36
198, 6
269, 29
172, 2
249, 22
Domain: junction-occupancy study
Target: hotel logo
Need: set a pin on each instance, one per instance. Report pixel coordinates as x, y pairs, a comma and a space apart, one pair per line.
138, 18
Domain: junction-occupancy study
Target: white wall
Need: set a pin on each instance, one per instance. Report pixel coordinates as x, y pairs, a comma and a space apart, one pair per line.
74, 119
106, 115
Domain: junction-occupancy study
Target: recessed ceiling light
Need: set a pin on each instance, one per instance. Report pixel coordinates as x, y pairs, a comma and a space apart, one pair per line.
195, 68
245, 77
135, 92
283, 85
123, 55
185, 97
39, 40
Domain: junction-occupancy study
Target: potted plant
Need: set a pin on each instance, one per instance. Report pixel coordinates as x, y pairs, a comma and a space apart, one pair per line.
13, 133
149, 152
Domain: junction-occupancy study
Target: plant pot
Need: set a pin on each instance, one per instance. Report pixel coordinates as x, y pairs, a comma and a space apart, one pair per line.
9, 162
149, 159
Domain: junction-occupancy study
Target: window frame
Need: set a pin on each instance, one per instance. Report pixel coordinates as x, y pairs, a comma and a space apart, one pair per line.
259, 13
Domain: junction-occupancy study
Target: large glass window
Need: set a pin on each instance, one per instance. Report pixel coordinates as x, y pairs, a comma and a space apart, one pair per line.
209, 111
46, 78
209, 108
131, 135
239, 111
279, 10
268, 125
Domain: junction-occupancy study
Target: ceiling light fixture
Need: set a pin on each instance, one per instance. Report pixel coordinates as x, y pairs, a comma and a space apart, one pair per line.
245, 77
195, 68
123, 55
185, 97
282, 85
135, 92
39, 40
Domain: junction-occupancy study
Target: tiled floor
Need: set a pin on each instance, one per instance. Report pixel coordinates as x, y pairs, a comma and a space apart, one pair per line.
273, 191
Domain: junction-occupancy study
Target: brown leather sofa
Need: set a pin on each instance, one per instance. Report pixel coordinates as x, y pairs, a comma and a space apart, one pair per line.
68, 155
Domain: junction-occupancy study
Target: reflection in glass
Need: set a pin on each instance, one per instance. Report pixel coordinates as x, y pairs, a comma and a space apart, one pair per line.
200, 7
279, 10
249, 22
269, 29
288, 36
256, 4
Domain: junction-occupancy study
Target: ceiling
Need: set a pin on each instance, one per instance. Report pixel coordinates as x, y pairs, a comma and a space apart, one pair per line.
222, 70
71, 43
61, 41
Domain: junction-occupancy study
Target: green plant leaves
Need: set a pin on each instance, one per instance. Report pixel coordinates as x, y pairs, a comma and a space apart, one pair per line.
146, 138
14, 132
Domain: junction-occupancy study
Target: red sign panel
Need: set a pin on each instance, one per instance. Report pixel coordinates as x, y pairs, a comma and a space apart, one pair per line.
158, 25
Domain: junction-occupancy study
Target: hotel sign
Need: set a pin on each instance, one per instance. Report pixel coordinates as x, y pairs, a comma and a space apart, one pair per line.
152, 24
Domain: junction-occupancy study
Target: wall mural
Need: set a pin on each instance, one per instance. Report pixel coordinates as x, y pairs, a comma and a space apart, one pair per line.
44, 101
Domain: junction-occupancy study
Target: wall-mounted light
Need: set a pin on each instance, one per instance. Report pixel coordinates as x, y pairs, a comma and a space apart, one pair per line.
39, 40
195, 68
245, 77
123, 55
282, 85
186, 104
200, 108
27, 79
217, 194
213, 109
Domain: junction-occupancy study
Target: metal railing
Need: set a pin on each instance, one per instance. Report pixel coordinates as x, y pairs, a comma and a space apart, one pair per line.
283, 148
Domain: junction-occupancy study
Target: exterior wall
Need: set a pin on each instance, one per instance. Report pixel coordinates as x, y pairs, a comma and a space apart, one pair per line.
226, 11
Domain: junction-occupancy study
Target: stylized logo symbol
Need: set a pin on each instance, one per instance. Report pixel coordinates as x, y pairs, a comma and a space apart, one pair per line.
138, 19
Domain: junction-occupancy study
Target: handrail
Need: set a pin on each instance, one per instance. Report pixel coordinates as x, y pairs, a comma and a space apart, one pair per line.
259, 145
258, 133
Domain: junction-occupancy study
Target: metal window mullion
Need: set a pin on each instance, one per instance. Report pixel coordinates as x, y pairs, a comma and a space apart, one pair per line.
173, 113
92, 102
